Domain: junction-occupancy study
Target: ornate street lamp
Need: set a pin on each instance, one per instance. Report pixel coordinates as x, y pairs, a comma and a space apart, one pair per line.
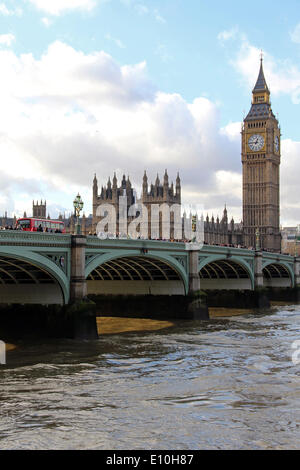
257, 235
78, 205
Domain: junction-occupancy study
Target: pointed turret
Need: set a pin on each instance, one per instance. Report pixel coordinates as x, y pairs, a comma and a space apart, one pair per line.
95, 187
128, 183
166, 185
178, 188
225, 216
114, 188
115, 181
145, 184
172, 189
109, 191
261, 84
166, 179
261, 106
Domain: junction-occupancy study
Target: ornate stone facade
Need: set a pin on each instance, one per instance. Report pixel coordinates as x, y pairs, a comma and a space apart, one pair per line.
216, 232
260, 152
110, 195
39, 210
261, 161
222, 232
154, 194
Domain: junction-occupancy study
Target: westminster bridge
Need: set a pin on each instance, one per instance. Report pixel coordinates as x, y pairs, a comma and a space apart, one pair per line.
41, 268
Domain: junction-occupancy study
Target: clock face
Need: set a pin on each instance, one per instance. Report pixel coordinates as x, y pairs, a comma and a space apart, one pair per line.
256, 142
276, 143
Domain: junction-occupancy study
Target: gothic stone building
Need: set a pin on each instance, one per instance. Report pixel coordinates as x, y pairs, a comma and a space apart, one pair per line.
110, 195
261, 161
221, 232
155, 194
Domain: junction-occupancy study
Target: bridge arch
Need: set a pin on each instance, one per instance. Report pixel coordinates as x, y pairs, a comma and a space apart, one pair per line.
21, 278
277, 274
132, 272
223, 272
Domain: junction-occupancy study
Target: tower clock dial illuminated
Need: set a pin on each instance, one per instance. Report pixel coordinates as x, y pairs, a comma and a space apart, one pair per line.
256, 142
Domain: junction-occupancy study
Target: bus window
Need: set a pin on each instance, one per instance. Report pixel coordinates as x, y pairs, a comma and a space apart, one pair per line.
25, 224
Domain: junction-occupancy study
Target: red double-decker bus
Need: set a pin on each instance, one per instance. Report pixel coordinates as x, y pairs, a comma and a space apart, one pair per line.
31, 224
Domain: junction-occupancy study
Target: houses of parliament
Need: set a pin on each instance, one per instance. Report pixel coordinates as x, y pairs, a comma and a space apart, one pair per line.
260, 157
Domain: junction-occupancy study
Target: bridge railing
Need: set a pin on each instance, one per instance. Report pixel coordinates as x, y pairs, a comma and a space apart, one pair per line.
21, 237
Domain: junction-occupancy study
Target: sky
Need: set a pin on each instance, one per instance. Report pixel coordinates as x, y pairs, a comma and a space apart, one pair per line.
104, 86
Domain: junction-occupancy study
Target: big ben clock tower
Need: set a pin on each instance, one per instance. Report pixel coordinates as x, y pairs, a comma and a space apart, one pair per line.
261, 161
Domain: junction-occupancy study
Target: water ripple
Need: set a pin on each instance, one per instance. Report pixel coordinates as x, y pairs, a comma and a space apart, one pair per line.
224, 384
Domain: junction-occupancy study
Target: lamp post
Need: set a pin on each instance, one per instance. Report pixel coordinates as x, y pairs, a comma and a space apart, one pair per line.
257, 236
78, 205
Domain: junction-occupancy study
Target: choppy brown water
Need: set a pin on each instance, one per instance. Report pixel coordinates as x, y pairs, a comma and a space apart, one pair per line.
224, 384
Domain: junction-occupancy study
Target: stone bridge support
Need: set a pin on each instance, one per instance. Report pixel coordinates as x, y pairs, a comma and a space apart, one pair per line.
297, 271
258, 270
194, 278
78, 287
81, 313
197, 303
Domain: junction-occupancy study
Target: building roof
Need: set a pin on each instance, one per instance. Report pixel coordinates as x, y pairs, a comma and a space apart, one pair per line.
261, 84
260, 111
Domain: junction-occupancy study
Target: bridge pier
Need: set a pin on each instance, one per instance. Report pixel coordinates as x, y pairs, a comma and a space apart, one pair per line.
297, 271
81, 310
78, 287
197, 301
261, 298
258, 272
194, 278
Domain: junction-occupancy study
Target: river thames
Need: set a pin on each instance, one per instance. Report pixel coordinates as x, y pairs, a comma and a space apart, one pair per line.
228, 383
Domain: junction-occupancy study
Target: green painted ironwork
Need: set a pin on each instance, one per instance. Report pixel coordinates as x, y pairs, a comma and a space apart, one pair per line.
52, 253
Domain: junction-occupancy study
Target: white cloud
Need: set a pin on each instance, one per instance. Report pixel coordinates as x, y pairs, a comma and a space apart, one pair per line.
295, 34
6, 12
141, 9
116, 41
46, 21
163, 53
7, 39
290, 208
69, 114
283, 76
232, 131
226, 35
158, 17
56, 7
